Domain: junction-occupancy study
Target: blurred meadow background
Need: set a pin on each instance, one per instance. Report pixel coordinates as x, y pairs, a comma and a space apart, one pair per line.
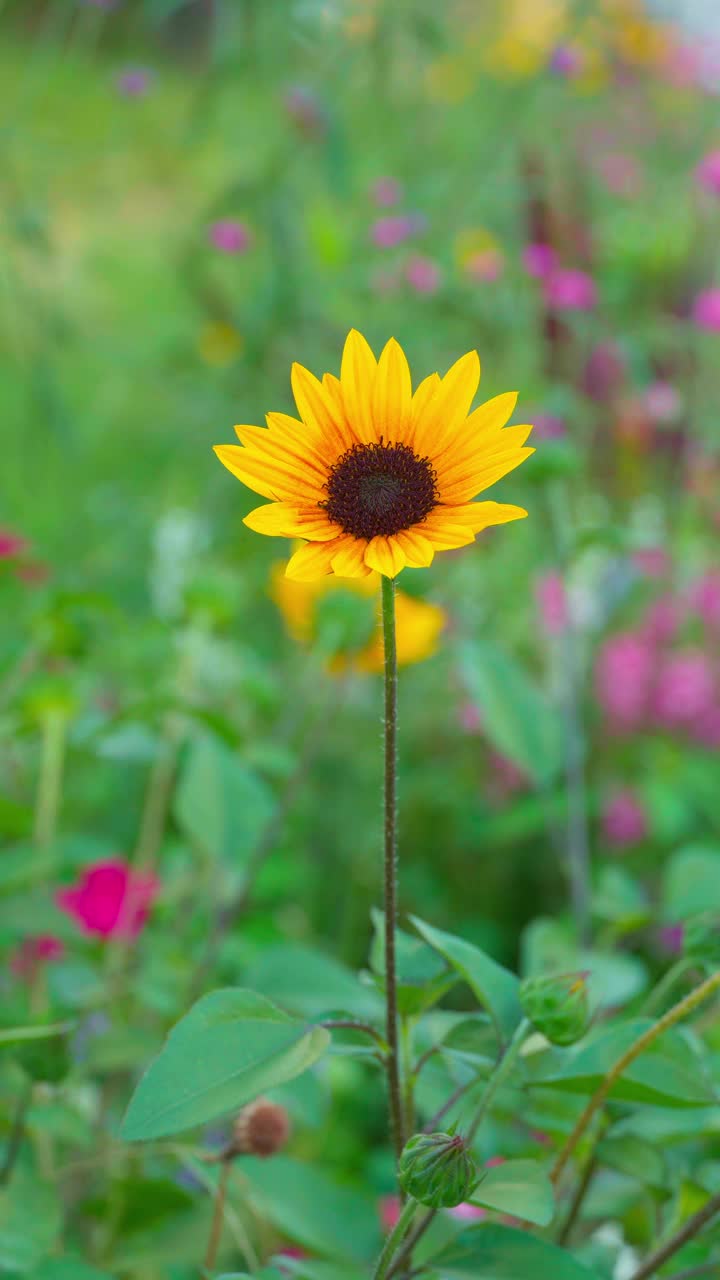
193, 196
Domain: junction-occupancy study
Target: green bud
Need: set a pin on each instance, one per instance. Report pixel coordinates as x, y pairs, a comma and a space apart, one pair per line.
437, 1170
557, 1006
701, 939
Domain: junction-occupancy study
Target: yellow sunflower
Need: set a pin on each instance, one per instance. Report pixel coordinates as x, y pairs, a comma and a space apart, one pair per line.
418, 622
372, 476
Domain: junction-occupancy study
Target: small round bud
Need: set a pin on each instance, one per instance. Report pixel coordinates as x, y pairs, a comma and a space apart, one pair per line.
701, 939
261, 1129
437, 1170
557, 1006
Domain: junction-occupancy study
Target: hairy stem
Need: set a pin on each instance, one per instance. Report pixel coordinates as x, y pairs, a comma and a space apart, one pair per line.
395, 1239
392, 1061
643, 1042
687, 1231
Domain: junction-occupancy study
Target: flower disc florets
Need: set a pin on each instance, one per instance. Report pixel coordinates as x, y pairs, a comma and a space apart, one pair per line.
380, 489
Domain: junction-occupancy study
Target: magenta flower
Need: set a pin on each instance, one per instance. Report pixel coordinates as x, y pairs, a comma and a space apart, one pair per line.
652, 562
552, 603
707, 174
423, 275
230, 236
389, 1208
548, 426
386, 192
539, 260
623, 820
663, 619
604, 372
623, 675
706, 728
11, 545
705, 598
565, 60
570, 290
663, 402
395, 229
134, 82
33, 952
671, 938
686, 687
706, 310
111, 900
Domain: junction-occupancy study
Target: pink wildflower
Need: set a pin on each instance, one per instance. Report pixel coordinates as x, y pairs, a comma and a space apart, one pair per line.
11, 545
623, 675
624, 821
706, 728
570, 290
685, 688
707, 174
705, 598
663, 402
548, 426
389, 1208
706, 310
111, 900
539, 260
423, 275
33, 952
229, 236
386, 192
663, 619
604, 372
135, 82
672, 937
393, 230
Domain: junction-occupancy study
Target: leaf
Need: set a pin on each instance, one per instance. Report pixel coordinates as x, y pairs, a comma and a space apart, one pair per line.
519, 1187
232, 1046
68, 1269
638, 1159
516, 717
422, 977
495, 987
304, 980
30, 1221
220, 804
309, 1208
667, 1074
691, 883
492, 1252
308, 1269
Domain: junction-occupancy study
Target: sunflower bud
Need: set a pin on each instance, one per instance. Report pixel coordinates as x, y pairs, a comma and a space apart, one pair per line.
701, 939
261, 1129
557, 1006
437, 1170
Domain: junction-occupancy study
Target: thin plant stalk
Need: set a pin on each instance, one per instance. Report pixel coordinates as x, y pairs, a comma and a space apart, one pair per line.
49, 791
692, 1227
395, 1239
643, 1042
216, 1225
499, 1075
392, 1060
665, 985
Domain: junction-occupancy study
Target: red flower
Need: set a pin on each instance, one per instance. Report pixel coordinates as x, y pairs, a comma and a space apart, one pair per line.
111, 900
32, 952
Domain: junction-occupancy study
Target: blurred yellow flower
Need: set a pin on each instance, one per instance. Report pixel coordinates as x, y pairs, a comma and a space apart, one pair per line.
352, 637
219, 344
374, 477
530, 30
478, 254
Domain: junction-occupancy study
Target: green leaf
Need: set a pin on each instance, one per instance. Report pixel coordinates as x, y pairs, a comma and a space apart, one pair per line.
422, 977
496, 988
68, 1269
691, 883
305, 980
519, 1187
309, 1269
220, 804
232, 1046
492, 1252
516, 717
30, 1221
638, 1159
309, 1208
667, 1074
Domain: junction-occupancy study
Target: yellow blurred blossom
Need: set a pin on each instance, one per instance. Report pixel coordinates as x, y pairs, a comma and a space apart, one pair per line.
219, 344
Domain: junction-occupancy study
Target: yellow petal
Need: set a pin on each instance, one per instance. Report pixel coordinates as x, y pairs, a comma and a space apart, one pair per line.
257, 476
418, 550
311, 561
493, 469
392, 394
448, 408
480, 515
281, 520
386, 555
357, 377
317, 408
424, 393
277, 444
482, 429
349, 561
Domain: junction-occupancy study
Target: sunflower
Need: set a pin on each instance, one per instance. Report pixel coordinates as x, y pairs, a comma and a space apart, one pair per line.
373, 476
418, 622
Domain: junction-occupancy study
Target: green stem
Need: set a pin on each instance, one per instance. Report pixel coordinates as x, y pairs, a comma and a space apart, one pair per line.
687, 1232
395, 1239
499, 1075
392, 1061
47, 802
678, 1011
218, 1217
657, 997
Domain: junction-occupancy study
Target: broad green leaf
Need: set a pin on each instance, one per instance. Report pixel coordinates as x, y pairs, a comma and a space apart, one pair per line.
309, 1269
519, 1187
492, 1252
30, 1221
691, 883
516, 716
423, 977
304, 980
496, 988
667, 1074
220, 804
634, 1157
68, 1269
309, 1208
232, 1046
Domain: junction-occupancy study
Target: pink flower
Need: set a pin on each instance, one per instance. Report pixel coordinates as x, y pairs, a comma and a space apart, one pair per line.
467, 1212
624, 821
663, 402
135, 82
706, 310
539, 260
389, 232
623, 675
10, 545
552, 603
33, 952
707, 174
566, 60
386, 192
423, 275
652, 562
484, 267
685, 688
389, 1208
569, 290
705, 598
663, 619
604, 372
672, 937
548, 426
706, 728
229, 236
111, 900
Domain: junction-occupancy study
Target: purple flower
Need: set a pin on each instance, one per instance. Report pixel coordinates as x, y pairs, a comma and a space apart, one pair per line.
134, 82
229, 236
685, 688
707, 174
623, 676
423, 275
539, 260
624, 821
672, 937
570, 290
706, 310
604, 372
548, 426
389, 232
386, 192
565, 61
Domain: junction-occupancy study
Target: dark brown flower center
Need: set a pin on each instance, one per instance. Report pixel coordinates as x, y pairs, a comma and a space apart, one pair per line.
379, 489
